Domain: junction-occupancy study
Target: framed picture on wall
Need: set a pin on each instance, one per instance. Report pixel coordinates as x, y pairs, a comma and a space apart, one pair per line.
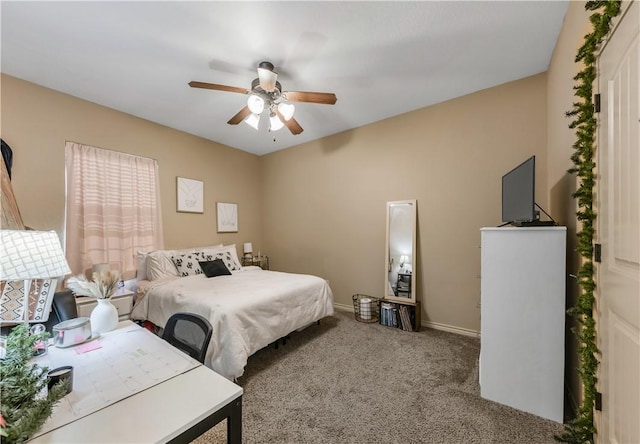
227, 217
190, 195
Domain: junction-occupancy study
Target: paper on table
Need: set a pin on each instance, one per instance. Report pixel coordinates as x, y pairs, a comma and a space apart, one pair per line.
87, 347
124, 362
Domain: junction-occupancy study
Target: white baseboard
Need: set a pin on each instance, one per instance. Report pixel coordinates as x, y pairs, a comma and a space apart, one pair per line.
451, 329
427, 324
343, 307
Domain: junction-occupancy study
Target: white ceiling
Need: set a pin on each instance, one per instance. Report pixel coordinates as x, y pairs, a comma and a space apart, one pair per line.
381, 59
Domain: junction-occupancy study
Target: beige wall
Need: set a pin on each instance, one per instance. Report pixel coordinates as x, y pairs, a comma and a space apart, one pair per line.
321, 206
37, 121
325, 201
560, 140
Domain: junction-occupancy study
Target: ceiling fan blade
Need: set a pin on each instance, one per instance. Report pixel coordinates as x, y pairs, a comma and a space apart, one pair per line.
217, 87
240, 116
267, 76
313, 97
292, 124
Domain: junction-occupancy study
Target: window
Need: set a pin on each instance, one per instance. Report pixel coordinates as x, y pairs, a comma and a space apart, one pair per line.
113, 208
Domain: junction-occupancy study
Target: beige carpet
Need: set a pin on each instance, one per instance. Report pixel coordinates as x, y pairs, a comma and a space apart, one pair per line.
349, 382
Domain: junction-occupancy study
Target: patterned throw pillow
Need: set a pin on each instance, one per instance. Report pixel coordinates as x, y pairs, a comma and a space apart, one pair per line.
226, 257
187, 264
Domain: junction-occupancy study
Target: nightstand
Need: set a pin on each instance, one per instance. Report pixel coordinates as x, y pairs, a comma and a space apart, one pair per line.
121, 299
259, 261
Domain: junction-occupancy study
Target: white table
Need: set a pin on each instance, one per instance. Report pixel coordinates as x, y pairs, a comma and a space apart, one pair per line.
176, 410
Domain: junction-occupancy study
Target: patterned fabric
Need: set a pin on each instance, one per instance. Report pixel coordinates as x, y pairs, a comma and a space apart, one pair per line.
40, 297
187, 264
226, 257
153, 265
12, 302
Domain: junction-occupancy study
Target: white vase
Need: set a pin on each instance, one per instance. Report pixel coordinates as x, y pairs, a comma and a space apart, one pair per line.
104, 317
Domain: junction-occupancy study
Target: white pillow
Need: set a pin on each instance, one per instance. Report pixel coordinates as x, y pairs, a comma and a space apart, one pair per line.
234, 254
142, 265
160, 265
227, 257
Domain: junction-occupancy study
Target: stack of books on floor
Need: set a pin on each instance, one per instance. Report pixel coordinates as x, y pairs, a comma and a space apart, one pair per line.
396, 315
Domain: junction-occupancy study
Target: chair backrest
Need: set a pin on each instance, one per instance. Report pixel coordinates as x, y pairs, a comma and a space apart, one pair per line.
63, 308
190, 333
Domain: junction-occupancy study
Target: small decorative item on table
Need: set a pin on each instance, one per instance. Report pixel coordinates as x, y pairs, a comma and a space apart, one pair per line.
104, 317
365, 308
61, 374
258, 261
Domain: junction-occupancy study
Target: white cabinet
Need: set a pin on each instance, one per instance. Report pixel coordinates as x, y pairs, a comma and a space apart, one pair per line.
523, 283
122, 300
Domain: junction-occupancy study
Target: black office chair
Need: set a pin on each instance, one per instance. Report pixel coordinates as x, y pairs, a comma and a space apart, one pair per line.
63, 308
190, 333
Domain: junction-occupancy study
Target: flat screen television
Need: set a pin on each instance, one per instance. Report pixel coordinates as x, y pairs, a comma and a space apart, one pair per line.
518, 194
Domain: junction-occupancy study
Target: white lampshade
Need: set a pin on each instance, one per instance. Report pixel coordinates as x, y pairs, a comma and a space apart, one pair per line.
276, 123
255, 104
252, 120
248, 248
287, 110
27, 254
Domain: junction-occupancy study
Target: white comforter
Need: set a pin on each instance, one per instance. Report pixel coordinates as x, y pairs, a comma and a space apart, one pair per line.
248, 310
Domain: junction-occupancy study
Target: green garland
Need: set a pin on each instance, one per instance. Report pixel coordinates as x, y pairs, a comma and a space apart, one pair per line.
24, 408
581, 429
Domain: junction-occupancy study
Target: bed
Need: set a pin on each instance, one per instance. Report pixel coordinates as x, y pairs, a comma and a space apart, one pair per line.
249, 308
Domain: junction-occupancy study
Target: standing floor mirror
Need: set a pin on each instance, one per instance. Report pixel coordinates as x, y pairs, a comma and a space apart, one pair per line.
400, 278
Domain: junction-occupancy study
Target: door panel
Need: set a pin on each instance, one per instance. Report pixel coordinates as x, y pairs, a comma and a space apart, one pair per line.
618, 208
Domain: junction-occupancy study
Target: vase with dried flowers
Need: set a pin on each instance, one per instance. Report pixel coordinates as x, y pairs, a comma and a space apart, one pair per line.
104, 316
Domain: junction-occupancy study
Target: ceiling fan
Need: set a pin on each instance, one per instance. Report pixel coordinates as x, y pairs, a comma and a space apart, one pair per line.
266, 94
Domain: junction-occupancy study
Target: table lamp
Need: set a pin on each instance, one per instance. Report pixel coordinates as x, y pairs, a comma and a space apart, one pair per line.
26, 255
248, 250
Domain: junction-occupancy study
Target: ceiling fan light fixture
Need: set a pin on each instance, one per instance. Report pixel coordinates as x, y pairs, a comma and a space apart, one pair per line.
252, 120
255, 104
287, 110
267, 93
267, 79
276, 123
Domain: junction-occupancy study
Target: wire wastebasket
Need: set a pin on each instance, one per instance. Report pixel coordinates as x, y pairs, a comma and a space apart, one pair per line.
366, 308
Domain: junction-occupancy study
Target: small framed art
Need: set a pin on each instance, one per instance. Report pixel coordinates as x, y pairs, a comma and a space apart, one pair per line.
227, 217
190, 195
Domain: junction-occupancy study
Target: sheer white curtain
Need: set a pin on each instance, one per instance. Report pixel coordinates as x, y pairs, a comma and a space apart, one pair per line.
113, 208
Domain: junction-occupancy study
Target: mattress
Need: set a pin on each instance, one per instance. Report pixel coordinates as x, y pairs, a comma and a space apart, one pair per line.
248, 310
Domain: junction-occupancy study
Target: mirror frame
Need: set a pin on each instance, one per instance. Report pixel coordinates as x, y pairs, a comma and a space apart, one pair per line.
389, 260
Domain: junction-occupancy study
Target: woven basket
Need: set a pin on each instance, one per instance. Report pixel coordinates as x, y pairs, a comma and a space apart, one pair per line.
366, 308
